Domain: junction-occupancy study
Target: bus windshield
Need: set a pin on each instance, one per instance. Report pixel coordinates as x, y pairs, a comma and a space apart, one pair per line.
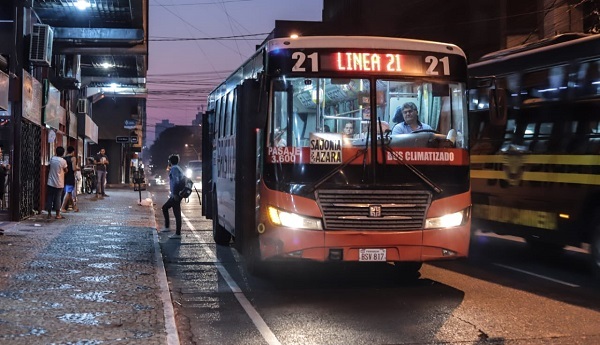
344, 106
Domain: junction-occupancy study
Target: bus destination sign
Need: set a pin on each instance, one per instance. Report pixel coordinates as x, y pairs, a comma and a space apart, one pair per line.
369, 62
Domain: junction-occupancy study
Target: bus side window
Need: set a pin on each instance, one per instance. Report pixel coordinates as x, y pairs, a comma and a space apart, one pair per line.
588, 77
510, 131
544, 85
219, 118
234, 111
593, 141
537, 137
533, 82
228, 122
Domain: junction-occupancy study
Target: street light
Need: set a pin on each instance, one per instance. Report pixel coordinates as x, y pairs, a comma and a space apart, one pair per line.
193, 148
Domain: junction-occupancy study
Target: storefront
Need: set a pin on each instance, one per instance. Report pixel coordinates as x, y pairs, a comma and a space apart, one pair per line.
6, 146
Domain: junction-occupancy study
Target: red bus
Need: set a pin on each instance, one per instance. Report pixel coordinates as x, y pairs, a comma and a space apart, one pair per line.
284, 181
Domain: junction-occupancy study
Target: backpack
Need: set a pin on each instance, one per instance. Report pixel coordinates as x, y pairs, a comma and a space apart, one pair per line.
185, 187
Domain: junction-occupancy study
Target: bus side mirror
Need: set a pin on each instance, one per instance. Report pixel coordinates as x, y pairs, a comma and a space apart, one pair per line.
498, 108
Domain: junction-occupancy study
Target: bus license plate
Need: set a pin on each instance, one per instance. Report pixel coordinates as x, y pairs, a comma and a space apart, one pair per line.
372, 255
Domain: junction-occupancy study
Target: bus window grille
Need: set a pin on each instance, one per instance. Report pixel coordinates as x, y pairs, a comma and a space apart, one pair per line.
29, 199
349, 209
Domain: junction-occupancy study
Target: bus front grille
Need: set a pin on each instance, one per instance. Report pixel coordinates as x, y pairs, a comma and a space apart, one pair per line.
373, 209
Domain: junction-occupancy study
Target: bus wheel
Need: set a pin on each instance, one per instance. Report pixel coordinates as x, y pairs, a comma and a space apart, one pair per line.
408, 270
544, 249
252, 259
220, 234
595, 247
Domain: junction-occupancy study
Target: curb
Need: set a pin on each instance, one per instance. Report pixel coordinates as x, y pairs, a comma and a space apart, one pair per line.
161, 279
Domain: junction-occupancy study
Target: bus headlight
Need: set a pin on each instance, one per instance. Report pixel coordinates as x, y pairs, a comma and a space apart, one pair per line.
188, 173
293, 220
446, 221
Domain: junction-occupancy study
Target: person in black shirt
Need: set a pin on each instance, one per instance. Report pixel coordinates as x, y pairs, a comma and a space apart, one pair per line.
70, 191
101, 162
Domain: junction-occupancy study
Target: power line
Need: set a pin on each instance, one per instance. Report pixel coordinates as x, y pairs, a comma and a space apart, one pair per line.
231, 38
231, 28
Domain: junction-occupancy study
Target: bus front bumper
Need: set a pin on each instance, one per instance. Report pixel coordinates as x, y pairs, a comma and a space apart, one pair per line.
419, 245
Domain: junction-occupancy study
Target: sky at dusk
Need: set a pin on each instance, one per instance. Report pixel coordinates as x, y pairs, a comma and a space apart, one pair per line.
196, 44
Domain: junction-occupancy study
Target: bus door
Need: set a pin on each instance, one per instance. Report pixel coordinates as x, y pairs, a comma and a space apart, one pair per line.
208, 159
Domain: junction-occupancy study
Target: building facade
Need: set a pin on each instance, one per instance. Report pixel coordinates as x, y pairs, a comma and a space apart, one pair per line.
68, 77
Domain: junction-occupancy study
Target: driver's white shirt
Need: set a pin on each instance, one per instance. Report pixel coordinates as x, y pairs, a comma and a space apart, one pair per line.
403, 128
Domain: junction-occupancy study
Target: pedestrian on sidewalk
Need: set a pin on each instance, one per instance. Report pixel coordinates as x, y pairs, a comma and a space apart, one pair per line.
70, 190
78, 179
56, 182
4, 169
3, 174
101, 161
176, 175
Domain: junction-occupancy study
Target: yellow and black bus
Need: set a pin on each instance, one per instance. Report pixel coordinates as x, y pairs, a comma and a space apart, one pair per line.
534, 115
286, 178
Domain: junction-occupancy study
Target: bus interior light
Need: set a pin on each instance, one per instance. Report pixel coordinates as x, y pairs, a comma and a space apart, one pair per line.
446, 221
293, 220
564, 216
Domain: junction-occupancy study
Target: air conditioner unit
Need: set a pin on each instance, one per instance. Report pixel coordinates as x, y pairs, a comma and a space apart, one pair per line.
83, 106
40, 45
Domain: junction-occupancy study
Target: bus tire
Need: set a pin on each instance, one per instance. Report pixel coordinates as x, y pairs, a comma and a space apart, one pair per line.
220, 235
595, 247
543, 248
252, 258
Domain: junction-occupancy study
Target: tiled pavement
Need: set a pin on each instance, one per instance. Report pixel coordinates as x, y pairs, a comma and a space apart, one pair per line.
95, 277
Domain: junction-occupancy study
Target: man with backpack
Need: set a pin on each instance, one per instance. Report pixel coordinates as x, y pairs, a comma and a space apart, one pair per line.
176, 179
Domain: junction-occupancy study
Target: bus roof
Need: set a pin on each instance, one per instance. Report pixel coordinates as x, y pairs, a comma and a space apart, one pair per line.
367, 42
546, 53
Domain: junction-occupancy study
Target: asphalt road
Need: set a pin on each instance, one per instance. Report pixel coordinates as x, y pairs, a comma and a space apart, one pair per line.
502, 294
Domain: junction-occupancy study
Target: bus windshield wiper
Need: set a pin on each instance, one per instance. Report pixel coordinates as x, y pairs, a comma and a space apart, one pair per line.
383, 136
401, 161
336, 170
365, 156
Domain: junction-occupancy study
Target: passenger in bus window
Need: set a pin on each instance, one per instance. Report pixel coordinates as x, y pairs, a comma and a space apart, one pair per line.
409, 113
348, 130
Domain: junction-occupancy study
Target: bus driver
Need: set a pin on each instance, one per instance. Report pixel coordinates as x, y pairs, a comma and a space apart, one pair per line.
411, 122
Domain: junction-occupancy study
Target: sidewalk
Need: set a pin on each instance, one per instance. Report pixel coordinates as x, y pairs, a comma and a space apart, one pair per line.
96, 277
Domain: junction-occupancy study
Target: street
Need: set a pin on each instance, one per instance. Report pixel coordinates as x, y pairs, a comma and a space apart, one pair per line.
502, 294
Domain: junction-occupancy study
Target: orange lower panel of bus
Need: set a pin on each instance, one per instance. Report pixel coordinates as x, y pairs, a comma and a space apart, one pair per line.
350, 246
362, 245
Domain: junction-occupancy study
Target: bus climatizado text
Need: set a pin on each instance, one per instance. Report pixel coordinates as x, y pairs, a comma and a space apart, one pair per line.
286, 183
535, 143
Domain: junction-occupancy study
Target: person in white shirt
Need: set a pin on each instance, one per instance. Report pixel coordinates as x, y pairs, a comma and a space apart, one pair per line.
56, 182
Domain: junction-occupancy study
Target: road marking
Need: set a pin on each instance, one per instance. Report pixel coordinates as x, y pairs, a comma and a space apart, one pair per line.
165, 296
537, 275
258, 321
585, 248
